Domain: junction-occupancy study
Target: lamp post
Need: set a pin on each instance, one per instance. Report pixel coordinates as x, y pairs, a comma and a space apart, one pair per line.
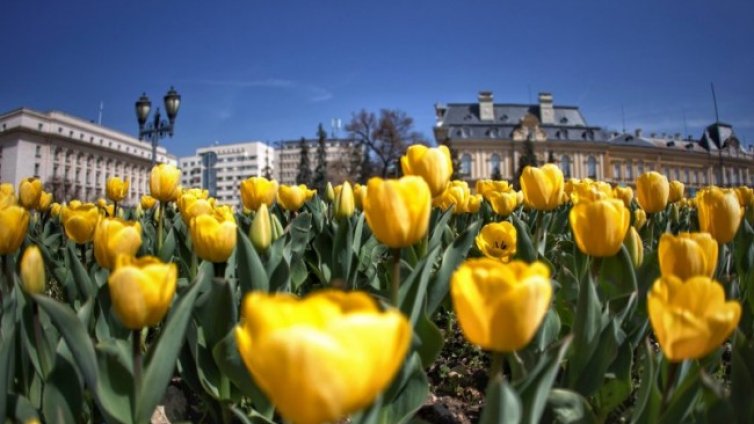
158, 128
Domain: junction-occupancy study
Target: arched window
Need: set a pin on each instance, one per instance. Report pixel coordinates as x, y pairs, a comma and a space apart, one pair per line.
640, 168
629, 170
591, 167
495, 165
466, 164
565, 165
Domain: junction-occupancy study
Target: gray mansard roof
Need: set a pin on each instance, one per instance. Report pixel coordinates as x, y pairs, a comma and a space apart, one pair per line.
510, 114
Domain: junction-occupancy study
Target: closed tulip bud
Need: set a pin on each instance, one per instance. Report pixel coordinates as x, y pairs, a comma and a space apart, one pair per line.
113, 237
675, 192
292, 198
45, 200
640, 218
29, 191
190, 206
116, 189
344, 202
431, 163
500, 306
397, 211
277, 227
261, 231
33, 271
330, 192
55, 209
675, 212
542, 187
587, 190
6, 189
80, 222
214, 235
359, 194
600, 226
164, 182
626, 194
148, 202
141, 290
458, 196
7, 195
652, 191
76, 203
101, 203
258, 190
503, 202
349, 350
745, 196
497, 240
687, 255
690, 318
474, 203
634, 246
485, 187
14, 221
719, 213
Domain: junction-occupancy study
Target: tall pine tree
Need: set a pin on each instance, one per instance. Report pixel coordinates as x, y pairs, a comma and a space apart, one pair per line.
528, 157
304, 168
320, 173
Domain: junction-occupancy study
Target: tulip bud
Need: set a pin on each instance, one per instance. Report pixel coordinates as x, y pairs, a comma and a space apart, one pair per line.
141, 290
14, 221
542, 187
634, 246
398, 211
114, 237
147, 202
640, 218
258, 190
292, 198
29, 191
344, 202
55, 209
260, 232
116, 189
45, 200
32, 271
277, 227
676, 191
330, 192
610, 216
214, 235
719, 213
433, 164
652, 191
675, 213
164, 182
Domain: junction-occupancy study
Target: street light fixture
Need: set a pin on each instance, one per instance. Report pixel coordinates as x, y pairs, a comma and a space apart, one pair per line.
158, 128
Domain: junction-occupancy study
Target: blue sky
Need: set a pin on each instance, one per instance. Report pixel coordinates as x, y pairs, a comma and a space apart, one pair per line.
272, 70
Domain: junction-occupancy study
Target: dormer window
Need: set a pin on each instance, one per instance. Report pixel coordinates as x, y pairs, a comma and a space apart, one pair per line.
564, 120
504, 118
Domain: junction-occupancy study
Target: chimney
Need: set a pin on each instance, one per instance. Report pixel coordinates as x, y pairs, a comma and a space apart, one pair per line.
637, 133
440, 110
486, 109
677, 136
546, 112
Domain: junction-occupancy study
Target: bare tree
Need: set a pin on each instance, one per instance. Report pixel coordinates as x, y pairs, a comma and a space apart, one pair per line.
385, 137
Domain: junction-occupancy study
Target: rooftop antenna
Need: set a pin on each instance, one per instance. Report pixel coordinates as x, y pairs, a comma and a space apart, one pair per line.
623, 117
685, 126
529, 88
101, 108
714, 100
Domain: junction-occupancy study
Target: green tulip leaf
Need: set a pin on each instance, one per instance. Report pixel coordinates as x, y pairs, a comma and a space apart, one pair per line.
742, 377
62, 398
525, 249
503, 404
409, 396
80, 276
251, 272
534, 390
646, 407
341, 250
567, 407
168, 247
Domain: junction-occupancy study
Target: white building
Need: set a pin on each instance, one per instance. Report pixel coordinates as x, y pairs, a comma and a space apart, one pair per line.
72, 156
342, 156
221, 168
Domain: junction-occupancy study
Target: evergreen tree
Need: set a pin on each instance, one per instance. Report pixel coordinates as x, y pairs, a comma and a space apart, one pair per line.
304, 168
496, 175
267, 170
455, 158
320, 173
527, 158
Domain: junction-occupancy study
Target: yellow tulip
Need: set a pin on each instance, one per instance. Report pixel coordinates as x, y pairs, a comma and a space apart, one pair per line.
6, 189
29, 191
359, 194
485, 187
542, 187
329, 192
652, 191
346, 349
116, 189
675, 192
101, 203
431, 163
14, 221
148, 202
164, 182
292, 198
258, 190
191, 206
474, 203
587, 190
503, 202
687, 255
113, 237
458, 195
141, 290
497, 240
634, 246
599, 226
745, 196
719, 213
626, 194
690, 318
500, 306
261, 231
55, 209
397, 211
33, 270
570, 185
344, 201
45, 200
80, 221
640, 218
214, 235
7, 195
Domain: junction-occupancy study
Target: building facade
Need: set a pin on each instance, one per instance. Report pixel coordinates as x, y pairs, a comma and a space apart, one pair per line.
488, 139
341, 156
221, 168
73, 157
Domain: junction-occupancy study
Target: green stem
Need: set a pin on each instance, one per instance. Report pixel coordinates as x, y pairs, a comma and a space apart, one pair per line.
194, 265
538, 230
395, 282
496, 366
115, 209
672, 371
136, 345
160, 227
38, 340
219, 269
82, 249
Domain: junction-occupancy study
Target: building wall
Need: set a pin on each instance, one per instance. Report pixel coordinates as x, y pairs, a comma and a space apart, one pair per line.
339, 157
71, 156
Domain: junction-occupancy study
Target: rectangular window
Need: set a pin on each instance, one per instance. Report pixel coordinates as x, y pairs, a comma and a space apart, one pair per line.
629, 170
36, 170
616, 170
38, 152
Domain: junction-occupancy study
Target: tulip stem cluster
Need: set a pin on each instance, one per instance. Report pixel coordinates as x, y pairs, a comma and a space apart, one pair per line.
160, 226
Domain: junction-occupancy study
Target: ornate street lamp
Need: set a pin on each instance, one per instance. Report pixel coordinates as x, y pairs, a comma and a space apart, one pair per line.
158, 128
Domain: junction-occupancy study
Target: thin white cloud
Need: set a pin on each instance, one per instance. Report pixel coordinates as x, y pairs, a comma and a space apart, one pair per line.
313, 93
